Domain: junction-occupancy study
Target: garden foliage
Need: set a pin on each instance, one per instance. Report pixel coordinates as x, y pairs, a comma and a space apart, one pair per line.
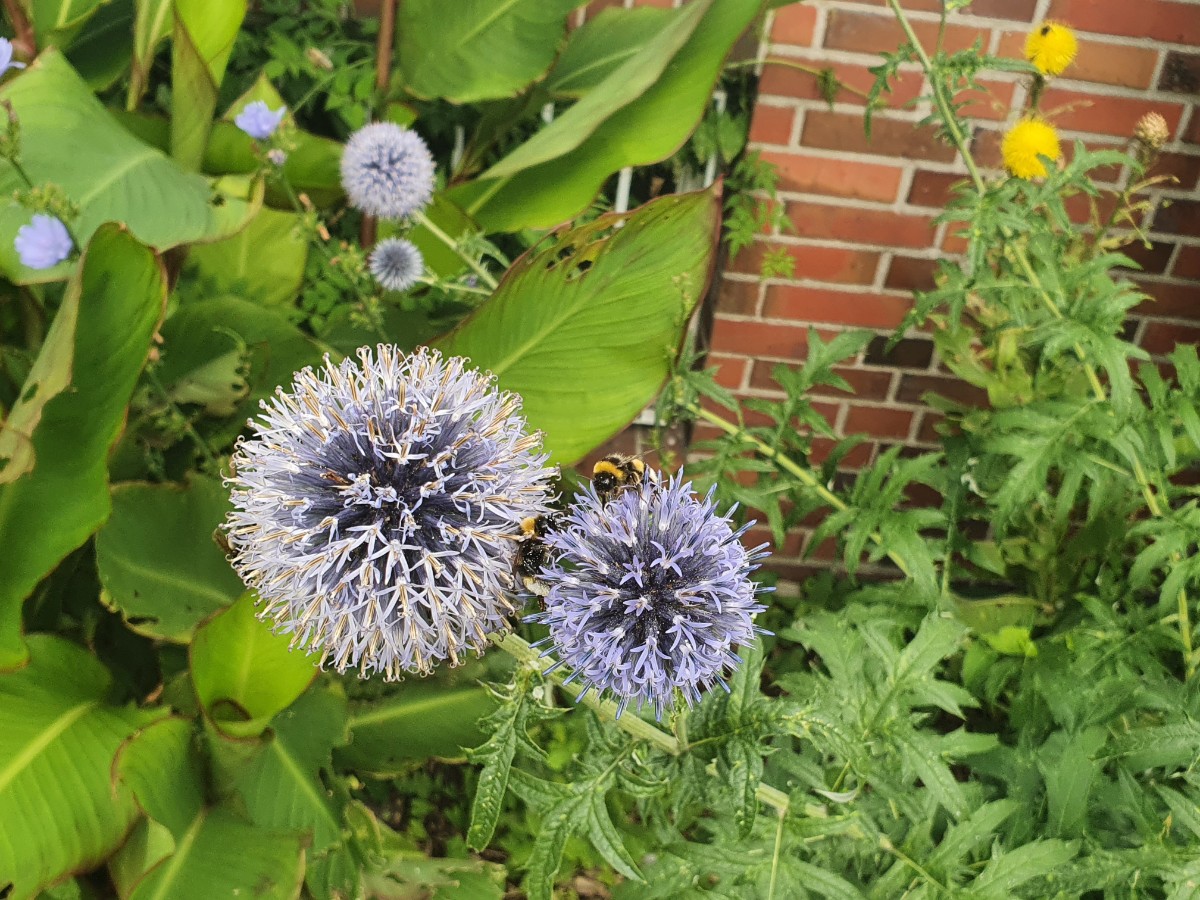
996, 698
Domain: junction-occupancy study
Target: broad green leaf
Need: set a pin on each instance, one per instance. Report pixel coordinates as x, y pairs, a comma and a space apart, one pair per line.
264, 261
159, 766
418, 722
152, 25
204, 33
312, 167
118, 292
1069, 778
1004, 873
585, 325
605, 42
101, 51
58, 739
222, 855
55, 21
158, 563
477, 49
70, 140
244, 673
641, 113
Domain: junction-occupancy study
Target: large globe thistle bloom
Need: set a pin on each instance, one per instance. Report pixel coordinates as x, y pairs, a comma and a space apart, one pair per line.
649, 593
397, 264
377, 507
387, 171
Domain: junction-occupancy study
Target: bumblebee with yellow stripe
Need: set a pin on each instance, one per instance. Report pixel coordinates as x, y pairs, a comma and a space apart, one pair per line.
615, 473
532, 554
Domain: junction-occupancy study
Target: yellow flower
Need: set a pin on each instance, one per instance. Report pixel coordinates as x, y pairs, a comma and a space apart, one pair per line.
1051, 48
1024, 143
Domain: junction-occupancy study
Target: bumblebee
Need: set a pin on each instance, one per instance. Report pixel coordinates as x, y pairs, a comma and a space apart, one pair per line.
615, 473
533, 554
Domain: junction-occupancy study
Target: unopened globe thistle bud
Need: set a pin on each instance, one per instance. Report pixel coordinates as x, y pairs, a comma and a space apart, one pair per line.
649, 593
1152, 130
377, 507
387, 171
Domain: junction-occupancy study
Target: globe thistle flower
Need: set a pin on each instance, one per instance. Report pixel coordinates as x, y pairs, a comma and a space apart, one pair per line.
258, 120
396, 264
43, 243
387, 171
6, 56
1051, 48
1025, 144
649, 593
378, 505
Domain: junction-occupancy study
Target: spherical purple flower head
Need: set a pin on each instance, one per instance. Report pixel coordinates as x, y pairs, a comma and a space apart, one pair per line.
258, 120
43, 243
6, 56
378, 505
387, 171
396, 264
649, 593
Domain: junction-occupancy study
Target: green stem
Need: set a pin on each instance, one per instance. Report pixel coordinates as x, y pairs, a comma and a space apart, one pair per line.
188, 427
484, 275
803, 475
20, 170
816, 73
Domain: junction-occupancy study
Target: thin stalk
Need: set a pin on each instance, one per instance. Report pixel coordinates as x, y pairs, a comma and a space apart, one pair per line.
484, 275
188, 427
803, 475
521, 650
22, 29
384, 44
816, 73
778, 851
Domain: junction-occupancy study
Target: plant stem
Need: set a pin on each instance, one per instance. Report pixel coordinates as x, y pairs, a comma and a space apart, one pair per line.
22, 29
188, 427
521, 650
803, 475
816, 73
484, 275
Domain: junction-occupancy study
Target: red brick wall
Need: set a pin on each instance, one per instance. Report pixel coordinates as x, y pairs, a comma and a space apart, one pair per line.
862, 210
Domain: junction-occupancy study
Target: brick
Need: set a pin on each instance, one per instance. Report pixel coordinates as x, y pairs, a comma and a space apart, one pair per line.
740, 297
913, 387
1160, 338
1020, 10
771, 124
1173, 299
1163, 20
933, 189
1153, 259
889, 137
1192, 135
1180, 217
792, 541
927, 432
1079, 111
730, 370
872, 33
1079, 207
910, 273
794, 24
863, 226
836, 264
835, 177
878, 421
1098, 61
1181, 73
855, 80
1183, 168
857, 457
1187, 265
750, 338
869, 384
805, 304
992, 100
908, 353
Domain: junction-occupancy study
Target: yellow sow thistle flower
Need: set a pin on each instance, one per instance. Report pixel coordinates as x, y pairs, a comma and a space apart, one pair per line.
1051, 48
1025, 142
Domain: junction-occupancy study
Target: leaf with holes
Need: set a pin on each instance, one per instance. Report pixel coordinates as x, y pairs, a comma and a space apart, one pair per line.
585, 326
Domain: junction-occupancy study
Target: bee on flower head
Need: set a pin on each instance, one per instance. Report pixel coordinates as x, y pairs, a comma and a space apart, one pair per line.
615, 473
533, 554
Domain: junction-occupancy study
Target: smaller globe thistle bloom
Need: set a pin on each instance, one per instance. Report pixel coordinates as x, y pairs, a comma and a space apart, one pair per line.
258, 120
397, 264
649, 593
377, 508
43, 243
1051, 48
1024, 146
6, 57
387, 171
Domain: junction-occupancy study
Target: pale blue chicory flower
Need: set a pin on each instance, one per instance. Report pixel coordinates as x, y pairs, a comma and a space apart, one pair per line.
387, 171
649, 593
43, 243
6, 57
258, 120
377, 509
396, 264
